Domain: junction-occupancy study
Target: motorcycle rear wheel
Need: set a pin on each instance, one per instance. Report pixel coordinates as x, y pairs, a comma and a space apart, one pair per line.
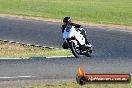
88, 53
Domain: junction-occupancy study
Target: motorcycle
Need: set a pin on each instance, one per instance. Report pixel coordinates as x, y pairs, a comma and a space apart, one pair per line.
76, 42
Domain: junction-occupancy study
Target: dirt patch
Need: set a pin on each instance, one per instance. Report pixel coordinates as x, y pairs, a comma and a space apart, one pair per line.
60, 21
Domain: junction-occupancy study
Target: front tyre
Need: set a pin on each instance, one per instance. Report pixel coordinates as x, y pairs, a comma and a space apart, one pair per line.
75, 50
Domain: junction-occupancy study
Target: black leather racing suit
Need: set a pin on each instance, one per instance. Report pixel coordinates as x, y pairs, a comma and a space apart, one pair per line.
65, 46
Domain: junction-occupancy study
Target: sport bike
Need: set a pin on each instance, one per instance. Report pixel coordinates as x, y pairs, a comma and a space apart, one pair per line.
76, 42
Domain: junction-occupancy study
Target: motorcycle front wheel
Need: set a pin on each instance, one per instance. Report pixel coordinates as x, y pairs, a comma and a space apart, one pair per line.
75, 50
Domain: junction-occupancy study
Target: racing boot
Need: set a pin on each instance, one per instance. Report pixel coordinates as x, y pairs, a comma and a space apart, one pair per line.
87, 43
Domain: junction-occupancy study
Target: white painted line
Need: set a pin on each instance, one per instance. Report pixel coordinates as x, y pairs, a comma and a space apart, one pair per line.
16, 77
29, 44
5, 40
6, 77
60, 56
24, 76
48, 47
44, 46
11, 41
51, 47
23, 43
18, 42
12, 58
37, 45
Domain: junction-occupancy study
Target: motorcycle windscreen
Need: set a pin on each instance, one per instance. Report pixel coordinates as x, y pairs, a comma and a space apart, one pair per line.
69, 32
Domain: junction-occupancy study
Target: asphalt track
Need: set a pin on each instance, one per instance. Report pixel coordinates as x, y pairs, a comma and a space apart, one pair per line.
112, 51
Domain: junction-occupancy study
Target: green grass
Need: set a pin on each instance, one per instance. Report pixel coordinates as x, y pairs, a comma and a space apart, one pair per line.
11, 50
75, 85
96, 11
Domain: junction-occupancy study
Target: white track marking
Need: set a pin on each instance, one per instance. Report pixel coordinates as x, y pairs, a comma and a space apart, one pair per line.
28, 44
12, 58
18, 42
5, 40
16, 77
60, 56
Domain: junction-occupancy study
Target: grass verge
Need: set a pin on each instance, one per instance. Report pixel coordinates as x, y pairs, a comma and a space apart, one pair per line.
75, 85
96, 11
12, 50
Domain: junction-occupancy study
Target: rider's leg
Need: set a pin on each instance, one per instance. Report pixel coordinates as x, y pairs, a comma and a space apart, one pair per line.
83, 32
86, 40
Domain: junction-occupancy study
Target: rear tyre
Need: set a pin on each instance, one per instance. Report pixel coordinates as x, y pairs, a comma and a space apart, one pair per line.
88, 53
74, 50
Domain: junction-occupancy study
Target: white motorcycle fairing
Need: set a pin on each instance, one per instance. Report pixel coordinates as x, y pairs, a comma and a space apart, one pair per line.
72, 32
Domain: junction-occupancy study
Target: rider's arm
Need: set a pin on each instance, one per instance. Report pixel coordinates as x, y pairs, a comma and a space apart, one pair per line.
76, 25
81, 29
63, 28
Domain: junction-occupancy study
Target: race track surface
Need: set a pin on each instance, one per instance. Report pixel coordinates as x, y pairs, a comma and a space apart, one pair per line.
112, 50
60, 68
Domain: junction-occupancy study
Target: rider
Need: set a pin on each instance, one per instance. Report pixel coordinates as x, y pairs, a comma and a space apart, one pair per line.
67, 21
